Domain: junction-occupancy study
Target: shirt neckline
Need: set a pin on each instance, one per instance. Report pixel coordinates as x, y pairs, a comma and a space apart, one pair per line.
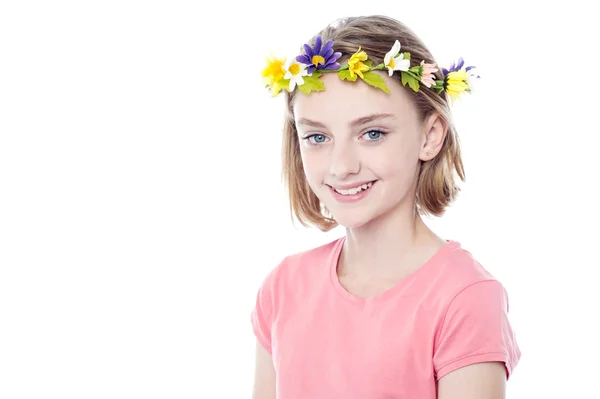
337, 250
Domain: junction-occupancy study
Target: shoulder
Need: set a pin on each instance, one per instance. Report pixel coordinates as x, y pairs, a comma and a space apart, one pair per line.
457, 269
455, 273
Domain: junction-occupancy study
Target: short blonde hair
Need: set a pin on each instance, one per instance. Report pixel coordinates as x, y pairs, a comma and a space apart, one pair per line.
436, 186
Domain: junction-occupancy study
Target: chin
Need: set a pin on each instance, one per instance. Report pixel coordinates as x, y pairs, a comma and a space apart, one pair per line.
352, 219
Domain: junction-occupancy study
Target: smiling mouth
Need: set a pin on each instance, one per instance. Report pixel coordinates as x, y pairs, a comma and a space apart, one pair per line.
355, 190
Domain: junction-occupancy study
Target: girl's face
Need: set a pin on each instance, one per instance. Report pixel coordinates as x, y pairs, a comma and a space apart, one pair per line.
360, 147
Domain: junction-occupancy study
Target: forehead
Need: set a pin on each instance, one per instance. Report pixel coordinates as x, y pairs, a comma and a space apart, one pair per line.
342, 101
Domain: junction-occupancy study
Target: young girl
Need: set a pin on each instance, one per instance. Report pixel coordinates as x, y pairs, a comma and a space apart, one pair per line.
390, 310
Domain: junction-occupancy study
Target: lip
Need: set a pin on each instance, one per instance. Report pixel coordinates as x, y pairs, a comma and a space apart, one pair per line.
349, 186
351, 198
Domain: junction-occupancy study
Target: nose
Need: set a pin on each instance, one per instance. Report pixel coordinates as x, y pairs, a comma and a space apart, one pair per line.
344, 161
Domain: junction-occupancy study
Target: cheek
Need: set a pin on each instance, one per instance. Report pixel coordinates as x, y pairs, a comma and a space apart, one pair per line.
389, 169
393, 163
313, 168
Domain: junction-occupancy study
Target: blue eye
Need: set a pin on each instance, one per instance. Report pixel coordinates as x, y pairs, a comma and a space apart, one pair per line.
374, 135
316, 138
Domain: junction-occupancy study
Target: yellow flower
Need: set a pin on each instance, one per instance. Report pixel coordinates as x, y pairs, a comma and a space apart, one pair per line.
456, 83
355, 65
273, 73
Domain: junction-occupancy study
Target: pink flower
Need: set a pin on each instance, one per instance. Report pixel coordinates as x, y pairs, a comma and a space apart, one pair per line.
428, 77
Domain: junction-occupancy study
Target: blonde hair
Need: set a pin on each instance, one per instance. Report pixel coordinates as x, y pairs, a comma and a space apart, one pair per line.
436, 185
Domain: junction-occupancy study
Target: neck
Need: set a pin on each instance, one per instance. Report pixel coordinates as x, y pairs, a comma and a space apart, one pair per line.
390, 244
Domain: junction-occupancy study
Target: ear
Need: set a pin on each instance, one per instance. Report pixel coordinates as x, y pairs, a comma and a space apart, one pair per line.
433, 135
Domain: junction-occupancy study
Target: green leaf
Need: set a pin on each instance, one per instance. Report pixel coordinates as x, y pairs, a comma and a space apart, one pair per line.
417, 70
414, 84
312, 83
412, 74
438, 84
406, 56
404, 77
375, 80
368, 63
345, 75
407, 77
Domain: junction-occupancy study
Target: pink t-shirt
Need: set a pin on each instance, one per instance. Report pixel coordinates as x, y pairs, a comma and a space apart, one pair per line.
327, 343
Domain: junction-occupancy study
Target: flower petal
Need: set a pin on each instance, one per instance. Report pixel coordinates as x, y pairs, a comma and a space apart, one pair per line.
308, 50
331, 65
401, 64
395, 48
461, 62
303, 59
328, 46
317, 45
392, 53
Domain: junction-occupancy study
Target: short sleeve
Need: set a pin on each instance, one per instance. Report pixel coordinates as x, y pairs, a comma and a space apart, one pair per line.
476, 329
262, 314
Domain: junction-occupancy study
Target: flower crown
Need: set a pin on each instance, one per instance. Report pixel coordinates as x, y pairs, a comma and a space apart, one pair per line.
305, 71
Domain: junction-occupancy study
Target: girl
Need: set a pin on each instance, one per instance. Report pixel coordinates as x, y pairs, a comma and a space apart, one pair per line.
390, 310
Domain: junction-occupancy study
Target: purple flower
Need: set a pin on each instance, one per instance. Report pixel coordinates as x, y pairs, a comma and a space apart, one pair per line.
457, 67
319, 57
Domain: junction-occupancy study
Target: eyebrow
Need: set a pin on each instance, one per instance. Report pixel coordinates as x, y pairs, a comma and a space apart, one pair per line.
357, 122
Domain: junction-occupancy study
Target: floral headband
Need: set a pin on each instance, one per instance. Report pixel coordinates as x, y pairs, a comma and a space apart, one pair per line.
305, 71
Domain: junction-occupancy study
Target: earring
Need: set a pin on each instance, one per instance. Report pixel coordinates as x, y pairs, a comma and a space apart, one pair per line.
427, 153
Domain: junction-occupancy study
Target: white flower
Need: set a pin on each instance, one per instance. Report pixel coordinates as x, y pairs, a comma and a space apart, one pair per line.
294, 71
472, 79
394, 61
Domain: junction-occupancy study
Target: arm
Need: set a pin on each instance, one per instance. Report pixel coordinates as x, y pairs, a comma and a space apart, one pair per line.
263, 316
476, 381
264, 375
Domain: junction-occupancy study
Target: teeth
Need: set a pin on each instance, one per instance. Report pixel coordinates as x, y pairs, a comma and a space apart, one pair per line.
354, 190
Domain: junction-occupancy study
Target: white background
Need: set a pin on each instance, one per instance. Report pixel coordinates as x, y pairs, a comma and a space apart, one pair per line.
141, 203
